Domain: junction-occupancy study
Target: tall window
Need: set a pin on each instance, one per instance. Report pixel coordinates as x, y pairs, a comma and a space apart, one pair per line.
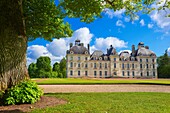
105, 73
153, 60
146, 60
141, 66
100, 73
114, 65
141, 74
105, 65
133, 66
147, 66
123, 73
79, 65
133, 73
71, 73
95, 65
78, 73
86, 65
71, 64
114, 59
123, 66
95, 73
100, 65
78, 58
128, 66
154, 74
86, 73
147, 73
85, 58
128, 73
153, 66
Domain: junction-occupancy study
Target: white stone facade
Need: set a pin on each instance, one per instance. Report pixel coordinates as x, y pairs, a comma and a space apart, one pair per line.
141, 63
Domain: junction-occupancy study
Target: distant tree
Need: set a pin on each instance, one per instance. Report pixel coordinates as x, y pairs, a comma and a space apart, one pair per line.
164, 66
32, 70
63, 67
44, 63
56, 67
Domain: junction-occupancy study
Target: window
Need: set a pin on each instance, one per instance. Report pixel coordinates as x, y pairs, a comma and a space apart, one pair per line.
71, 64
100, 65
147, 73
105, 73
147, 66
100, 73
123, 66
95, 65
79, 65
123, 73
128, 73
114, 59
141, 66
133, 66
154, 74
71, 58
133, 73
141, 74
78, 58
86, 66
140, 60
153, 60
85, 58
153, 66
95, 73
71, 73
105, 65
128, 66
146, 60
86, 73
78, 73
114, 65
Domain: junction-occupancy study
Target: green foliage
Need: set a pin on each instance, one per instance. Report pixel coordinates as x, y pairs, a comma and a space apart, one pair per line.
164, 66
24, 92
44, 19
44, 63
32, 70
63, 67
119, 102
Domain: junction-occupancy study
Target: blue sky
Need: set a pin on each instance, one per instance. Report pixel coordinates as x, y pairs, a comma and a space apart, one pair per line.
114, 28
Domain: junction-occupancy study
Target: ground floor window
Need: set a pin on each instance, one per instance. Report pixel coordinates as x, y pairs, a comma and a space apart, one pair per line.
123, 73
128, 73
71, 73
147, 73
100, 73
78, 73
133, 73
141, 74
105, 73
95, 73
86, 73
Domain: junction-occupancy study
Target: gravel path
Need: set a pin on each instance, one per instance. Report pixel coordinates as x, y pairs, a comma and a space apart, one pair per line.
104, 88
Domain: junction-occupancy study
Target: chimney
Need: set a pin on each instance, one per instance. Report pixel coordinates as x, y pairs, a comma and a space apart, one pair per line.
146, 47
71, 44
133, 50
88, 46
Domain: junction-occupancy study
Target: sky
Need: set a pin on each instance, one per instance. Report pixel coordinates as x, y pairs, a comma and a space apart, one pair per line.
114, 28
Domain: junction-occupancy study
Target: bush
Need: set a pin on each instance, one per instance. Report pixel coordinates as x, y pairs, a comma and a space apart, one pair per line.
24, 92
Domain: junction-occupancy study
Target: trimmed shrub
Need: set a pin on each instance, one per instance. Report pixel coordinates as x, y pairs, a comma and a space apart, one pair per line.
25, 92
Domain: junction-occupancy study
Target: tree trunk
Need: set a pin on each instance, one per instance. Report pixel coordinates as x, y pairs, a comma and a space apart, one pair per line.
13, 44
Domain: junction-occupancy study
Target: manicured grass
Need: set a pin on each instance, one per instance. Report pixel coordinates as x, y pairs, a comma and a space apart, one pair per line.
111, 103
52, 81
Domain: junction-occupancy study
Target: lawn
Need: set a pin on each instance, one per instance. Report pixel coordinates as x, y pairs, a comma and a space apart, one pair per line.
52, 81
111, 103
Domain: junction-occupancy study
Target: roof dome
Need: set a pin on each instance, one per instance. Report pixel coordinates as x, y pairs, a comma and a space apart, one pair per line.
125, 55
144, 52
78, 49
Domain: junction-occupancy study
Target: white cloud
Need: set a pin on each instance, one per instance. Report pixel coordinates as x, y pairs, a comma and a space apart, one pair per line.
142, 22
120, 23
150, 26
159, 17
104, 43
112, 13
127, 19
56, 49
169, 51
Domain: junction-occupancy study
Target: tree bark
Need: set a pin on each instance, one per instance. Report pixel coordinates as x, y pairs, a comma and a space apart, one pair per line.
13, 44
